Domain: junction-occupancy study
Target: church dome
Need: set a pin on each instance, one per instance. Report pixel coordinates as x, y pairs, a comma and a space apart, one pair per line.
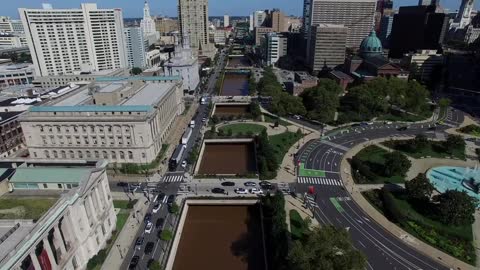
371, 45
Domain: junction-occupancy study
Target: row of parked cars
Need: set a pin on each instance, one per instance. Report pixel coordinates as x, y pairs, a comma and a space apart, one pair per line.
250, 187
150, 227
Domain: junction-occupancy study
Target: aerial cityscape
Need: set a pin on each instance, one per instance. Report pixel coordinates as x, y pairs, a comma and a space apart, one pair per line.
240, 135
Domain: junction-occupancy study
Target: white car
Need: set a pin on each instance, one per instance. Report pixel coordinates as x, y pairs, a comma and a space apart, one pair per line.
148, 227
256, 191
204, 119
184, 164
156, 207
241, 191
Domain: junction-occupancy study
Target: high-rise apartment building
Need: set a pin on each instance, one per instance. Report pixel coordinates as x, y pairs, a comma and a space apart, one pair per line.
251, 23
327, 46
226, 20
276, 47
63, 41
147, 23
193, 18
464, 15
279, 22
357, 15
307, 5
135, 47
259, 18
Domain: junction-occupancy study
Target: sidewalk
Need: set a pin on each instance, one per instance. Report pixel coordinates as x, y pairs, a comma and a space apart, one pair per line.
126, 237
389, 226
294, 204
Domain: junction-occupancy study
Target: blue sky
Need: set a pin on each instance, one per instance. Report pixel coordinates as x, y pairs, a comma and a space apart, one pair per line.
133, 8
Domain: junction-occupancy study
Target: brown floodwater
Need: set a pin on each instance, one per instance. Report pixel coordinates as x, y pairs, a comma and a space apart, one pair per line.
228, 158
221, 237
226, 110
235, 85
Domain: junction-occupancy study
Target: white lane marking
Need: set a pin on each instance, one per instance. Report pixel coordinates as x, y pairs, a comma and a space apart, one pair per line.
360, 242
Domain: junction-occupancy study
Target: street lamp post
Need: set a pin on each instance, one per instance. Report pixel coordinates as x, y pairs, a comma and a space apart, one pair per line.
120, 251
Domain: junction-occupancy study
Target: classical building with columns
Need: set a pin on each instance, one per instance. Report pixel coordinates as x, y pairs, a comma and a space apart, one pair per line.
73, 230
119, 119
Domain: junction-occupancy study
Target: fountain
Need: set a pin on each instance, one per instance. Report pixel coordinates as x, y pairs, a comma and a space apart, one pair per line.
456, 178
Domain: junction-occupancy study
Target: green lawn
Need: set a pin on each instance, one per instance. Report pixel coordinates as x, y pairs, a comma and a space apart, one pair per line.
281, 143
405, 117
373, 157
28, 208
271, 119
454, 240
124, 204
435, 149
243, 128
298, 226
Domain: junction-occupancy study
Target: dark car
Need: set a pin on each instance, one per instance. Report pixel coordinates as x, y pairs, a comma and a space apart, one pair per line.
228, 184
149, 248
402, 128
218, 190
139, 242
159, 223
134, 262
266, 185
122, 184
432, 128
171, 199
160, 197
148, 218
250, 184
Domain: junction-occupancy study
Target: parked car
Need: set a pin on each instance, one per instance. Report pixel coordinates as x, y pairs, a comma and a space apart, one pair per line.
266, 185
388, 122
159, 223
122, 184
171, 199
139, 242
228, 184
241, 191
148, 227
250, 184
402, 128
218, 190
204, 119
149, 248
184, 164
256, 191
148, 218
156, 207
134, 262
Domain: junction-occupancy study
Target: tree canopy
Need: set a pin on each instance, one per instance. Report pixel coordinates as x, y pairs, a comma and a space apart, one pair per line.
135, 71
455, 207
322, 101
454, 142
396, 163
419, 188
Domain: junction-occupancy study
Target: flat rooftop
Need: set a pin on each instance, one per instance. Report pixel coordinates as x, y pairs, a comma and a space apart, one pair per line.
149, 94
79, 98
12, 232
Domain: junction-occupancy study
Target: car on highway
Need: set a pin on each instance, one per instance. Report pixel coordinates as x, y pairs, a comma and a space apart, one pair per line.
159, 223
148, 227
402, 128
250, 184
204, 119
139, 242
241, 191
149, 248
387, 122
160, 197
218, 190
156, 207
256, 191
134, 262
228, 184
170, 199
148, 218
298, 117
184, 164
266, 185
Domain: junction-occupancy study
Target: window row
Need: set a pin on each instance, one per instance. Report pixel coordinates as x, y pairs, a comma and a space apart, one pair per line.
110, 155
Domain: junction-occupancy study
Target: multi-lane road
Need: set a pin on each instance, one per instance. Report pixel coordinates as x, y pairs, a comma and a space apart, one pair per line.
333, 205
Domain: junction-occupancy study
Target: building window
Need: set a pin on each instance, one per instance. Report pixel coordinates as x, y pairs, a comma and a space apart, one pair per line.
88, 154
55, 154
122, 155
46, 153
45, 186
69, 186
114, 155
80, 154
144, 155
63, 154
35, 154
130, 155
105, 154
59, 185
97, 154
71, 154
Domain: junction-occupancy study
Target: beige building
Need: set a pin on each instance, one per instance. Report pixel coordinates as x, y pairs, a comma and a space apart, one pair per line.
327, 46
166, 25
77, 77
279, 21
193, 21
119, 119
260, 34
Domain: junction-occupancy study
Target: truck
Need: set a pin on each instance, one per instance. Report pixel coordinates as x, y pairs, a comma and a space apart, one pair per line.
192, 124
176, 157
186, 136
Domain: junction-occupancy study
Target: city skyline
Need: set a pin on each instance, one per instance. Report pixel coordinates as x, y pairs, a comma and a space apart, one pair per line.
134, 9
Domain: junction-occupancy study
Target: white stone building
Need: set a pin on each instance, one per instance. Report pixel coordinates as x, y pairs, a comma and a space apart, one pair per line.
63, 41
135, 47
119, 119
16, 74
147, 23
73, 230
185, 65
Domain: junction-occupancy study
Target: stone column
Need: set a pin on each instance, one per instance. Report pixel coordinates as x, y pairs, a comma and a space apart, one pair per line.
101, 205
92, 208
48, 249
34, 259
58, 241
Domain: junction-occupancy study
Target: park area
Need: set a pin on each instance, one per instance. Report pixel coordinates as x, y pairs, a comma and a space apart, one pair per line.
237, 129
472, 130
221, 237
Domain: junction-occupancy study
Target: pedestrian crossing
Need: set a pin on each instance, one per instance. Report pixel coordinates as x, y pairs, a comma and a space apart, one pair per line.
319, 181
172, 178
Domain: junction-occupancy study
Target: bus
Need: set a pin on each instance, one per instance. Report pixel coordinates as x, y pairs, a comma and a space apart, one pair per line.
186, 136
176, 157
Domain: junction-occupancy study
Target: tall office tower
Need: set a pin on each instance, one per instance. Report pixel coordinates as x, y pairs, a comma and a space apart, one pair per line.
276, 47
417, 28
226, 20
357, 15
385, 30
428, 2
384, 7
327, 46
307, 5
63, 41
279, 22
251, 22
193, 19
135, 47
464, 15
147, 23
259, 18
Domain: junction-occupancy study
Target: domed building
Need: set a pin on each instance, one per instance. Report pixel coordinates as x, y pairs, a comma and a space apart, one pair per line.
370, 63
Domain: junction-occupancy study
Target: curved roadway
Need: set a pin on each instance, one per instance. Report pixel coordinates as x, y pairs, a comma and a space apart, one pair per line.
333, 205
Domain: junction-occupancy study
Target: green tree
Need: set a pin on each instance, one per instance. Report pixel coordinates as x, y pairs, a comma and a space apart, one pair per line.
136, 71
454, 142
322, 101
166, 235
419, 188
455, 207
420, 142
174, 208
396, 163
444, 102
326, 248
255, 110
155, 265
